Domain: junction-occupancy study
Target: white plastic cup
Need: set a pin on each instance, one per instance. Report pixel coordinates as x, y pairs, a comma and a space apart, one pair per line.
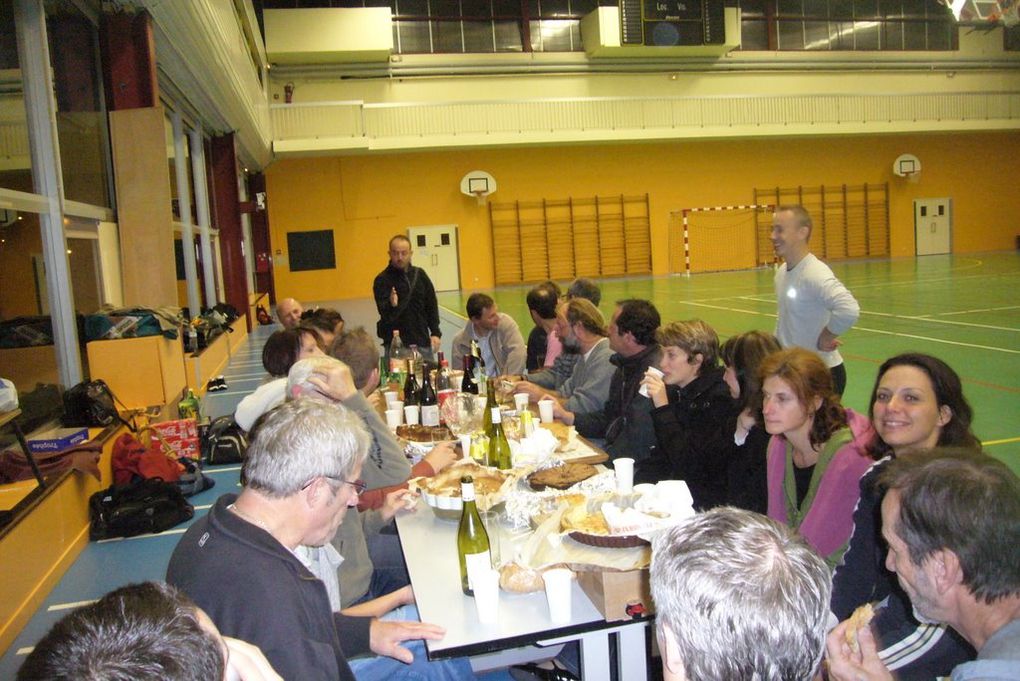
545, 410
486, 587
411, 414
624, 467
465, 446
651, 370
521, 401
398, 405
557, 593
490, 519
393, 418
391, 397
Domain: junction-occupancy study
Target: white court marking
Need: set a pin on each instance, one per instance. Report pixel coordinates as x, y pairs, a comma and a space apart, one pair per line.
179, 530
864, 328
984, 309
69, 606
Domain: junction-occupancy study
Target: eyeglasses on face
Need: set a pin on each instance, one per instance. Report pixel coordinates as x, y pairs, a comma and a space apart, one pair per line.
358, 485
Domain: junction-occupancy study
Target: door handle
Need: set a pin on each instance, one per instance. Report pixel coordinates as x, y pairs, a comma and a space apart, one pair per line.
435, 259
933, 228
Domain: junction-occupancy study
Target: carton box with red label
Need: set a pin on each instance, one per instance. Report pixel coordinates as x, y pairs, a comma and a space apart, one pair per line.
181, 435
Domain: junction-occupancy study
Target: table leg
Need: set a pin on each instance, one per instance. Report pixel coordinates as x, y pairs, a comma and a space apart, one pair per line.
632, 652
595, 656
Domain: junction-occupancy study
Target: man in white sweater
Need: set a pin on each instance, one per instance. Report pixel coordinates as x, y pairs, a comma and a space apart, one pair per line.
815, 308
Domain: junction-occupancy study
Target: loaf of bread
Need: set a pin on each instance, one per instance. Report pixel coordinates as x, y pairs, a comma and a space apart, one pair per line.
561, 477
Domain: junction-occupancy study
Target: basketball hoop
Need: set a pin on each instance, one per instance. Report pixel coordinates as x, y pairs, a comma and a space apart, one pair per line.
908, 166
480, 195
478, 184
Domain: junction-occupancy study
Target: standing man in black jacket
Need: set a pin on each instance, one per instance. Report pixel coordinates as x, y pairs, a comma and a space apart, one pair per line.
625, 421
406, 301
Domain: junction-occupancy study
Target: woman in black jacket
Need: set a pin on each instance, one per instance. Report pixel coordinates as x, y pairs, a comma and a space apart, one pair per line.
692, 406
741, 355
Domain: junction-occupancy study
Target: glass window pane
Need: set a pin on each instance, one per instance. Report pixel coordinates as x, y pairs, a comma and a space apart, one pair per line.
940, 36
27, 354
446, 37
506, 8
914, 8
555, 8
865, 9
841, 9
892, 35
508, 36
414, 37
555, 35
752, 8
582, 6
791, 35
816, 35
15, 155
478, 36
890, 8
792, 8
753, 35
914, 37
1012, 38
444, 8
413, 8
866, 35
816, 8
841, 33
81, 119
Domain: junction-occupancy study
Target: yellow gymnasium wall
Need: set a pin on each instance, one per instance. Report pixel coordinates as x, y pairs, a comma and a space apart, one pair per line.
367, 199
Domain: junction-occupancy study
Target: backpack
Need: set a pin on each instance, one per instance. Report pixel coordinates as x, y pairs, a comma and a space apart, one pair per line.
192, 480
224, 442
141, 507
91, 404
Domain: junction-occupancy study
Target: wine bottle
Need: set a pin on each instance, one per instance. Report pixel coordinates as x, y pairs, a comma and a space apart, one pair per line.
411, 389
444, 385
398, 355
413, 354
427, 399
468, 383
490, 404
472, 539
499, 447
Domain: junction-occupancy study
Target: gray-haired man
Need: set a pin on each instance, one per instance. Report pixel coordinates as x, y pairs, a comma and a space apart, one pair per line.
738, 596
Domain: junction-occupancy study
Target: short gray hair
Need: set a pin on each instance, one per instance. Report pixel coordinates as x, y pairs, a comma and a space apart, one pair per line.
301, 440
743, 596
297, 378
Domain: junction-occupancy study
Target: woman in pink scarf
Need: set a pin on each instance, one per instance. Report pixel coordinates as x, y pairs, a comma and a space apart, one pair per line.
818, 451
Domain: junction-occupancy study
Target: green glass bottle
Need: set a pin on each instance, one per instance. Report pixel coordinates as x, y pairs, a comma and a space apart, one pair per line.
490, 404
499, 447
472, 539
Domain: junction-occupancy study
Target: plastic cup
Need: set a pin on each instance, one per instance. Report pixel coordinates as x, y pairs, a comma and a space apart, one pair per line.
398, 405
545, 410
465, 445
624, 468
411, 414
651, 370
490, 519
557, 593
521, 401
486, 587
393, 418
391, 397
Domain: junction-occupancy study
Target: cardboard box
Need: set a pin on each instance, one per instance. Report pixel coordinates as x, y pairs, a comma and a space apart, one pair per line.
618, 595
181, 435
56, 439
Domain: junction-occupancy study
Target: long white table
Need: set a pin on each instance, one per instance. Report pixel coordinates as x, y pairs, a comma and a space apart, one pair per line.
430, 551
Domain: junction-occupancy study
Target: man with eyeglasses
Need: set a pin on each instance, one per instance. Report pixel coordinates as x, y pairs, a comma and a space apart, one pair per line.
240, 562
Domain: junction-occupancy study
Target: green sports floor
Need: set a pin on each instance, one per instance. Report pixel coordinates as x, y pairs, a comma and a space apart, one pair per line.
964, 309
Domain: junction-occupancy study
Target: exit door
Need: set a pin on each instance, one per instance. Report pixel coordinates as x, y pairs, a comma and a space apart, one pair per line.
933, 226
435, 251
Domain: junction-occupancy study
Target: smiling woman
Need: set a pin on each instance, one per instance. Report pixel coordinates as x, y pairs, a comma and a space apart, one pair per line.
818, 450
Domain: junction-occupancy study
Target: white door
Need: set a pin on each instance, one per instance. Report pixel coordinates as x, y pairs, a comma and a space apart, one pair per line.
435, 251
933, 226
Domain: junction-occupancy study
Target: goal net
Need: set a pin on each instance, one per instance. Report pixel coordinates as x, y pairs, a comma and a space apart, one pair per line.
720, 238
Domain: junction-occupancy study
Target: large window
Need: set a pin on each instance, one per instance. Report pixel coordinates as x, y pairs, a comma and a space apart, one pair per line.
854, 25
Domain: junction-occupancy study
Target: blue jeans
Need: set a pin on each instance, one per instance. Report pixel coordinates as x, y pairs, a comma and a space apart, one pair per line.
381, 668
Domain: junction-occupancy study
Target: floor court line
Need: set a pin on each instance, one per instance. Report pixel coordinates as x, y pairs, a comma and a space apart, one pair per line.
926, 318
992, 443
179, 530
864, 328
69, 606
986, 309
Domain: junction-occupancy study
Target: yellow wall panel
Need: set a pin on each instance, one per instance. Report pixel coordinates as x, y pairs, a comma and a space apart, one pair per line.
366, 199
